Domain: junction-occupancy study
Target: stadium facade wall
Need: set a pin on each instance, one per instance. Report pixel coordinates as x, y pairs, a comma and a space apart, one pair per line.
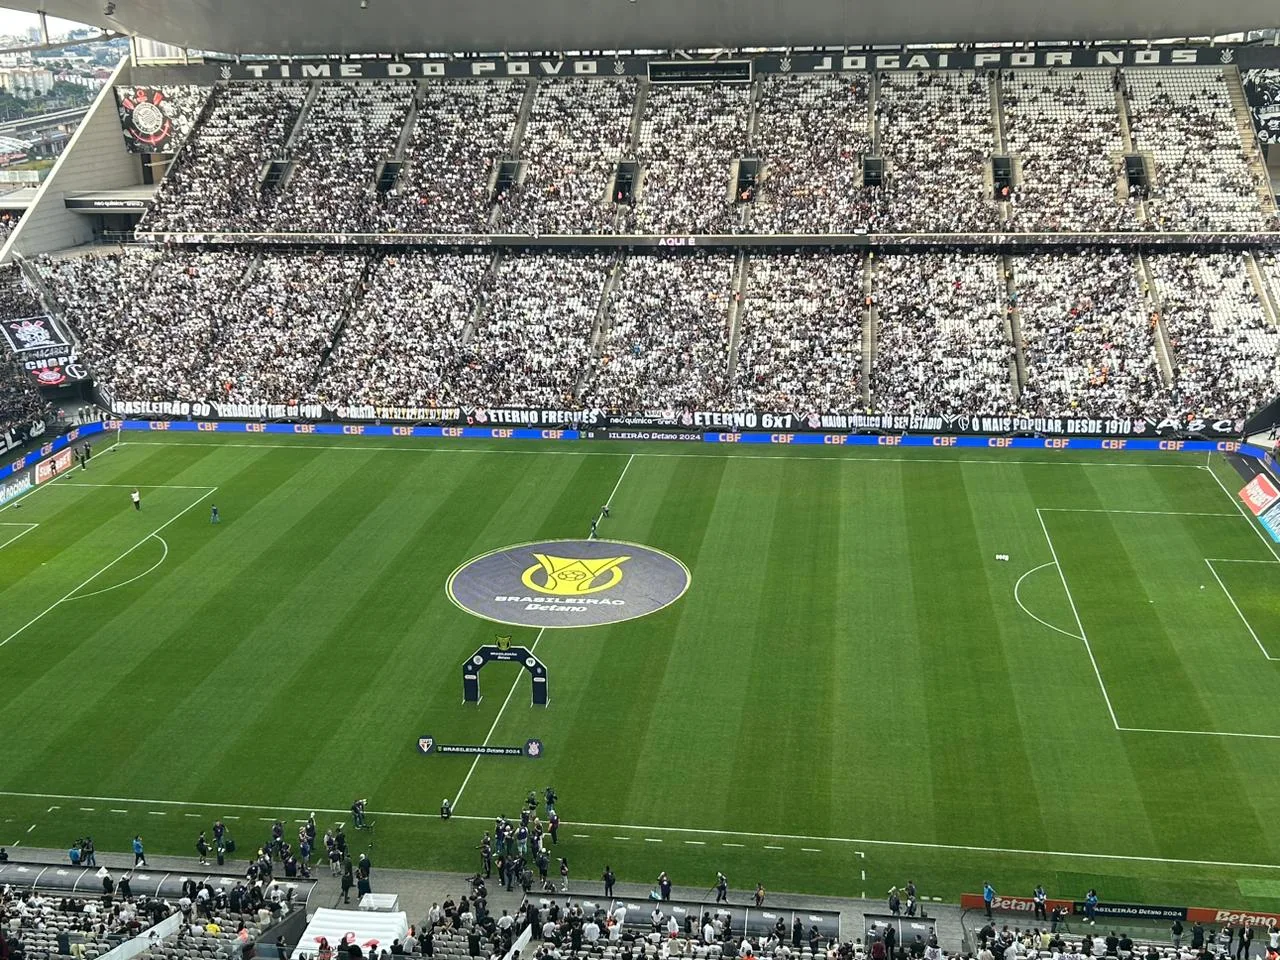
95, 159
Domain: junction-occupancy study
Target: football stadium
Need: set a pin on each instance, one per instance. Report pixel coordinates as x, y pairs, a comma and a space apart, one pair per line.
597, 481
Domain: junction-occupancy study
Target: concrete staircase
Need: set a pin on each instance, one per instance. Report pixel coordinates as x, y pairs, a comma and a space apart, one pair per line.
737, 304
873, 122
603, 322
1164, 347
522, 118
1013, 329
487, 282
996, 90
870, 324
1266, 296
1249, 138
354, 298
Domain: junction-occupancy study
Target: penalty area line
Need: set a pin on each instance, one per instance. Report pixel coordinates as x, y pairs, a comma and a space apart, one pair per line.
71, 595
695, 831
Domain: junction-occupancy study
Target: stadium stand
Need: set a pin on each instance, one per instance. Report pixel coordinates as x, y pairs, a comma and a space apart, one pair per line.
1224, 348
812, 133
1064, 129
348, 130
1086, 336
20, 401
1185, 119
47, 925
801, 334
531, 345
940, 346
666, 346
577, 132
689, 138
216, 182
935, 134
395, 348
463, 131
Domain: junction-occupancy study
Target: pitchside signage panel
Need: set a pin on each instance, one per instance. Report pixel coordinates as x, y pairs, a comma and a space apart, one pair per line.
521, 67
644, 426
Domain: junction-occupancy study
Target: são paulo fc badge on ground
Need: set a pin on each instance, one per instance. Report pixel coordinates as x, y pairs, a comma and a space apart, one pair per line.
568, 583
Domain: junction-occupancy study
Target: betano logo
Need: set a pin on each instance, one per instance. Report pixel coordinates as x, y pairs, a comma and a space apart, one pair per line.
568, 583
573, 576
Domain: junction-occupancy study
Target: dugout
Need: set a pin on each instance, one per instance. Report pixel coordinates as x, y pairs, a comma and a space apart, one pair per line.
751, 921
145, 881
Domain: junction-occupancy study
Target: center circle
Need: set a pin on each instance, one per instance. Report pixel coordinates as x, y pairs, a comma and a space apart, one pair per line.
560, 584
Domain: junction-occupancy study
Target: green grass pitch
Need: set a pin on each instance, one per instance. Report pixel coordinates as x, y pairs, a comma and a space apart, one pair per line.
853, 692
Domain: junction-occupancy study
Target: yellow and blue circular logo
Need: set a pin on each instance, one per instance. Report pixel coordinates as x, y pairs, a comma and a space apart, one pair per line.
568, 583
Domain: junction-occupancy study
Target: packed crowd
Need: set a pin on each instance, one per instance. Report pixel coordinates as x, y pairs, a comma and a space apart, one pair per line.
1086, 336
666, 346
1064, 129
675, 332
1224, 348
936, 135
812, 133
532, 342
20, 401
936, 132
800, 339
464, 130
941, 345
200, 326
348, 131
399, 346
1203, 178
577, 132
216, 181
689, 140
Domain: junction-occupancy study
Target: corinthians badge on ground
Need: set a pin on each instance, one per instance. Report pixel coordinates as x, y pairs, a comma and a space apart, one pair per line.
568, 583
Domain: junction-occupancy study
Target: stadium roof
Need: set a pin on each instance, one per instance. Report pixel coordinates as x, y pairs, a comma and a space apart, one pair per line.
295, 27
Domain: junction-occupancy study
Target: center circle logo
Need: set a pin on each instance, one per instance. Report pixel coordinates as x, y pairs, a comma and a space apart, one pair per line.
568, 583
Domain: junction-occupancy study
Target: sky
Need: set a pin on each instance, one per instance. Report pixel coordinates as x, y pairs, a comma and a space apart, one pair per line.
16, 22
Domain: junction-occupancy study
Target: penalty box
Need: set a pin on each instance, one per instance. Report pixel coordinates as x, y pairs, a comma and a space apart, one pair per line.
1177, 637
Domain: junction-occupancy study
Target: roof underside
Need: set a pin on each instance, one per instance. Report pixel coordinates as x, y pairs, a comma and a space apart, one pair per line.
296, 27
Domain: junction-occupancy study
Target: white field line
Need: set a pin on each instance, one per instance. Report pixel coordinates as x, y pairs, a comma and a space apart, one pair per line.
1080, 626
1253, 524
1202, 733
496, 720
1240, 613
1153, 513
149, 486
71, 595
164, 556
695, 831
1018, 600
676, 456
622, 476
536, 640
17, 536
1237, 560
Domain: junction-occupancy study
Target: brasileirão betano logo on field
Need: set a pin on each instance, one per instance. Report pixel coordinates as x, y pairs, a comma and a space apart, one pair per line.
568, 583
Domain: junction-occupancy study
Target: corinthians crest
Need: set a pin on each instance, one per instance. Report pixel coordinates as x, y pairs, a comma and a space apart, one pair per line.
32, 333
